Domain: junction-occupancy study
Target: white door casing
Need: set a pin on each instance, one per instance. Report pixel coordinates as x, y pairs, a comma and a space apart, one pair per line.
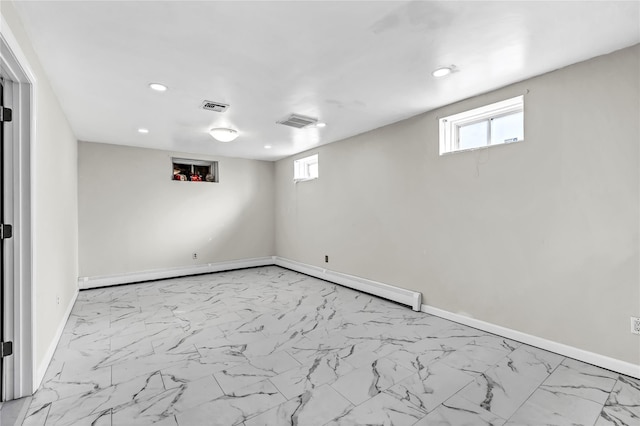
19, 87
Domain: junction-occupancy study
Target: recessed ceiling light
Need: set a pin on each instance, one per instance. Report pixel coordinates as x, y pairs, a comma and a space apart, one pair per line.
158, 87
222, 134
441, 72
143, 130
321, 124
267, 146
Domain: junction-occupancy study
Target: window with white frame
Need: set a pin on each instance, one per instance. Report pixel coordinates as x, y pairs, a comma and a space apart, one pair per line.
305, 168
499, 123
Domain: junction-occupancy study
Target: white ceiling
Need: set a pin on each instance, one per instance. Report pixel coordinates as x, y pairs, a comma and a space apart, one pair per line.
357, 65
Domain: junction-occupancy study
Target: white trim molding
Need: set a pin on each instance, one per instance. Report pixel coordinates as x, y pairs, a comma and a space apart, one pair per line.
386, 291
20, 318
603, 361
48, 356
406, 297
159, 274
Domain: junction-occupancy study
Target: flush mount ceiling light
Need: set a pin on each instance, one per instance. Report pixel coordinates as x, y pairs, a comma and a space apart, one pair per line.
143, 130
267, 147
222, 134
443, 71
321, 124
158, 87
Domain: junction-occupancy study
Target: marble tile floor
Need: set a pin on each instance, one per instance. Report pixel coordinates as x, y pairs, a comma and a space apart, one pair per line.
268, 346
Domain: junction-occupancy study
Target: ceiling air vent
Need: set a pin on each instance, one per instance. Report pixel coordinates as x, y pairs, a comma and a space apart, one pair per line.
298, 121
214, 106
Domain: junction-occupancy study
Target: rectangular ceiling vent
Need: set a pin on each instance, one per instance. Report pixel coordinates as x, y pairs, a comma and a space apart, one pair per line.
214, 106
298, 121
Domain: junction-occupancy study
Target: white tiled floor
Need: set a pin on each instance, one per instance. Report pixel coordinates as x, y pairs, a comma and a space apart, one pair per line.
268, 346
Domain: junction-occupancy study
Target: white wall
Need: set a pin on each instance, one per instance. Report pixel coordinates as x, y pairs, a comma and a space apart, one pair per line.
54, 203
539, 236
134, 218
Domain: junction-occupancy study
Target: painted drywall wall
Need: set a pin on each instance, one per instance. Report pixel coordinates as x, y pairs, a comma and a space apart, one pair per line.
133, 217
539, 236
54, 202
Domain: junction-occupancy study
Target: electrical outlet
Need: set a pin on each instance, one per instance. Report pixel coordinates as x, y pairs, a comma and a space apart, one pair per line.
195, 255
326, 259
635, 325
57, 300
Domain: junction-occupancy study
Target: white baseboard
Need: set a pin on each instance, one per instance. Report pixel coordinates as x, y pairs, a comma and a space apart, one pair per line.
159, 274
603, 361
397, 294
386, 291
48, 356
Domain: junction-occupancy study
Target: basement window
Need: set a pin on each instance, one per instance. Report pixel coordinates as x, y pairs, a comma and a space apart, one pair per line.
494, 124
305, 168
188, 170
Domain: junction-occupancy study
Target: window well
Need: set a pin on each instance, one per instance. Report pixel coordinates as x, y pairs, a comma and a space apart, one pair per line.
188, 170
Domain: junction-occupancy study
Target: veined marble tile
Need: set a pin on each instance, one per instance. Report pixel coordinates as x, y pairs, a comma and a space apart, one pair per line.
187, 371
556, 408
313, 408
383, 410
74, 383
101, 418
273, 344
188, 341
361, 352
475, 359
457, 411
496, 342
54, 371
194, 392
531, 362
80, 360
147, 336
275, 363
37, 414
235, 408
305, 349
129, 354
417, 361
453, 330
150, 353
439, 343
71, 411
366, 382
223, 357
500, 390
325, 369
241, 376
623, 405
156, 409
430, 386
125, 369
582, 380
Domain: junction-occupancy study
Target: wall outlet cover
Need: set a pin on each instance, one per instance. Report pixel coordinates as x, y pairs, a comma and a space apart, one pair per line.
635, 325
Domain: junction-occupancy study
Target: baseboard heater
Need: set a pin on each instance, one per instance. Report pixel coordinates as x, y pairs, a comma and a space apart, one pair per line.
397, 294
386, 291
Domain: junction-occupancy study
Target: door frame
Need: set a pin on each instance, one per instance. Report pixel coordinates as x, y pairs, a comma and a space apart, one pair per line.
20, 86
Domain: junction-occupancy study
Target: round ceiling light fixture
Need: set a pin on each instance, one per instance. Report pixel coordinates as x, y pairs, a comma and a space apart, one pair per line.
158, 87
321, 124
143, 130
442, 72
222, 134
267, 147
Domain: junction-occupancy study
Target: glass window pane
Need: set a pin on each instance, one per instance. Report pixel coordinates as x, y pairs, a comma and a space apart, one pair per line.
509, 128
473, 135
313, 170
